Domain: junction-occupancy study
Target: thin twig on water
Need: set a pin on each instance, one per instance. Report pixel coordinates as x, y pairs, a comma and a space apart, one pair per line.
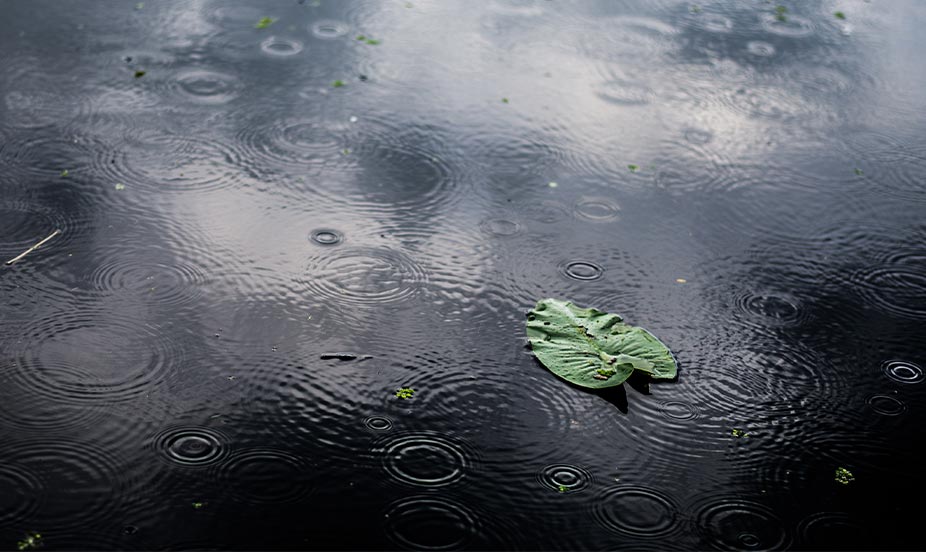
33, 248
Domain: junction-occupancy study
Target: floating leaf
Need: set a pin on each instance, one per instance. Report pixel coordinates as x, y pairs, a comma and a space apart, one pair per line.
198, 505
64, 173
844, 476
139, 74
120, 187
373, 42
839, 15
504, 100
594, 349
404, 393
337, 84
563, 488
859, 172
739, 433
633, 168
264, 22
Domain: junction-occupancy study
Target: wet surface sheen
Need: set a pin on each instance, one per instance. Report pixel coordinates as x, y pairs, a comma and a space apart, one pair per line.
266, 232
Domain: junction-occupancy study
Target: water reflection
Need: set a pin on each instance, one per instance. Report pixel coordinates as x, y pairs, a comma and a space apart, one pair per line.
237, 200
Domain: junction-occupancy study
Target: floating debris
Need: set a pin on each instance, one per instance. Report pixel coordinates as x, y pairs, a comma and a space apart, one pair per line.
338, 83
199, 505
633, 168
681, 281
552, 184
345, 356
739, 433
859, 172
64, 173
33, 248
563, 488
264, 22
404, 393
504, 100
780, 12
839, 15
139, 74
31, 542
844, 476
119, 187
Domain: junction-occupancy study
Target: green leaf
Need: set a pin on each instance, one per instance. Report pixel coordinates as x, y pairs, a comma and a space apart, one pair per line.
264, 22
64, 173
839, 15
337, 84
139, 74
633, 168
404, 392
594, 349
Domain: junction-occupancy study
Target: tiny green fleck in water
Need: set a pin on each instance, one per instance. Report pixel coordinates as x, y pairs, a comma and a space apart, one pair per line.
504, 100
563, 488
844, 476
780, 12
633, 168
120, 187
552, 184
345, 151
198, 505
695, 8
31, 542
858, 172
264, 22
140, 6
139, 74
404, 393
739, 433
839, 15
338, 83
64, 173
361, 38
373, 42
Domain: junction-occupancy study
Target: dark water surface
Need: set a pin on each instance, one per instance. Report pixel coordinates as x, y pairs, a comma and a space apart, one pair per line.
230, 217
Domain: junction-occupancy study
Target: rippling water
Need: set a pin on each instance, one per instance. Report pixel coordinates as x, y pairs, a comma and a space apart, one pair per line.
266, 232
